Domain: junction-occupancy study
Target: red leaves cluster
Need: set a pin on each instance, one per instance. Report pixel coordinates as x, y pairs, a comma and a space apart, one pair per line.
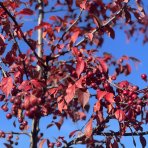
69, 71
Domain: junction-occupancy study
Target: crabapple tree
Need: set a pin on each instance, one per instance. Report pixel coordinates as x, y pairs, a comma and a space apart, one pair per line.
51, 68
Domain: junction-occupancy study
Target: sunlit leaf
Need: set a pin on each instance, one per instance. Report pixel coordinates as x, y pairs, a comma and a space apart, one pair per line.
88, 129
83, 97
120, 115
80, 66
7, 85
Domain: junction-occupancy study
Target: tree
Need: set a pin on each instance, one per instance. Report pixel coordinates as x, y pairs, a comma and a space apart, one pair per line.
50, 68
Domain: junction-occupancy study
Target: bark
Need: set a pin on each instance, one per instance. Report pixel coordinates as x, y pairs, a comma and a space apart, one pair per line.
35, 122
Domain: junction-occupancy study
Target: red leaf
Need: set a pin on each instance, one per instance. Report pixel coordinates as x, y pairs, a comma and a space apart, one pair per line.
115, 144
72, 133
97, 106
26, 11
25, 86
88, 129
103, 65
110, 32
81, 3
83, 97
75, 51
120, 115
110, 97
90, 36
80, 66
49, 125
74, 36
143, 141
59, 124
42, 142
96, 21
61, 104
79, 82
70, 93
2, 40
128, 69
100, 94
37, 83
7, 85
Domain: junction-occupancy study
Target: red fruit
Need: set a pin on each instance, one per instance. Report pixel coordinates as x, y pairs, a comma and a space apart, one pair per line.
21, 127
2, 97
90, 73
144, 76
125, 92
12, 100
9, 116
3, 135
58, 144
50, 145
113, 77
89, 59
4, 108
134, 96
17, 101
135, 88
20, 120
10, 136
139, 102
106, 85
24, 123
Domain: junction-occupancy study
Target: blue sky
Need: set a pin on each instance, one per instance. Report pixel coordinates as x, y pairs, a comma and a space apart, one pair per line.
117, 47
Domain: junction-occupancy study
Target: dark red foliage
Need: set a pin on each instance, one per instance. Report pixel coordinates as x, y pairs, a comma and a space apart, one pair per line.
49, 69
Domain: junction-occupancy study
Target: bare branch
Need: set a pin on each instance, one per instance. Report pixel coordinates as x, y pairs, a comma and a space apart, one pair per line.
18, 133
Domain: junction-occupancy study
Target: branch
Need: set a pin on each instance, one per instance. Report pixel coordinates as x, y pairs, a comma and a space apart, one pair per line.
68, 29
125, 134
102, 26
23, 36
18, 133
35, 121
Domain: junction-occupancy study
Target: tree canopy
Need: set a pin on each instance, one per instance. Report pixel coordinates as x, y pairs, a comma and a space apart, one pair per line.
51, 67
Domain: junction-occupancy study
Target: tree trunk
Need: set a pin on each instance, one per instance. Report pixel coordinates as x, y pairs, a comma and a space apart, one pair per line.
35, 122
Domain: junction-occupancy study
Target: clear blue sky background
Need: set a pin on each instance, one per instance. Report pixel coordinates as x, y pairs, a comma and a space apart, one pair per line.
118, 47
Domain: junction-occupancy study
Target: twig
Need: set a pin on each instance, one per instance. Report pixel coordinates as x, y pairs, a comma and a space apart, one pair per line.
125, 134
3, 71
68, 29
18, 133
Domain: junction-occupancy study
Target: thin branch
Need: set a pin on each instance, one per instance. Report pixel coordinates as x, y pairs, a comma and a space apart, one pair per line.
3, 71
68, 29
101, 26
18, 133
23, 36
125, 134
